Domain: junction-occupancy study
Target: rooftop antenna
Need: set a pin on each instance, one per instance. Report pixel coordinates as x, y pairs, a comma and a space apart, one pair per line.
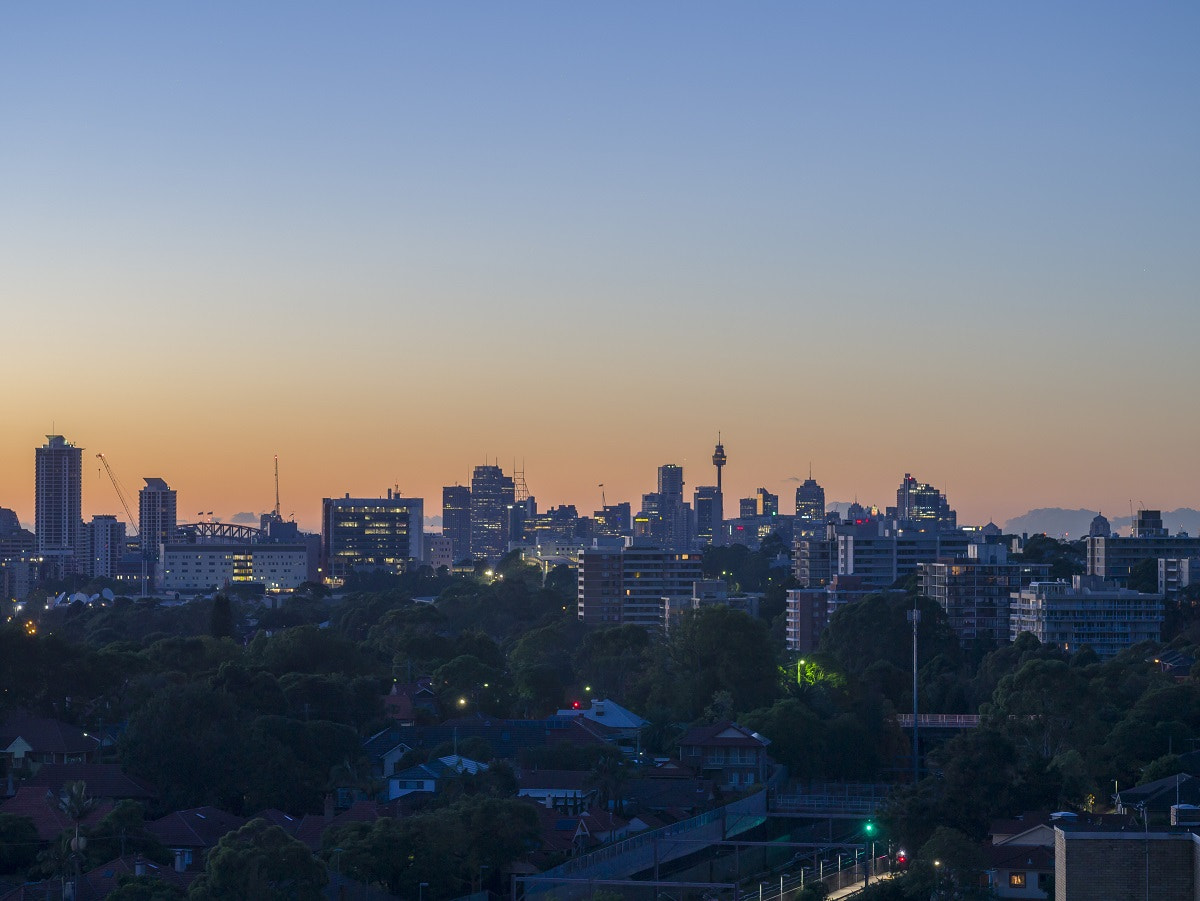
277, 515
603, 501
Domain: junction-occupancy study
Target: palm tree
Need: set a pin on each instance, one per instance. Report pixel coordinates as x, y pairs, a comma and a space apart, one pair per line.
76, 803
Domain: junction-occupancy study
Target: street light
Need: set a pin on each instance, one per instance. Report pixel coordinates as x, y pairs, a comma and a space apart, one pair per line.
421, 886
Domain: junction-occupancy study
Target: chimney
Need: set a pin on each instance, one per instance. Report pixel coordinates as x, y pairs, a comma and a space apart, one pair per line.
180, 861
139, 867
328, 807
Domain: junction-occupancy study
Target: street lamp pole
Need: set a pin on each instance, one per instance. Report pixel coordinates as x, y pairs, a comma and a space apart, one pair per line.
914, 617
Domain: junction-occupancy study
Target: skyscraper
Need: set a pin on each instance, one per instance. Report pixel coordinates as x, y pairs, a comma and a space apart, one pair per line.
810, 502
492, 493
58, 496
456, 520
706, 501
156, 516
923, 505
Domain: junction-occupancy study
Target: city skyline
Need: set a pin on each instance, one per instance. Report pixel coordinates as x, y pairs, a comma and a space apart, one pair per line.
100, 498
392, 242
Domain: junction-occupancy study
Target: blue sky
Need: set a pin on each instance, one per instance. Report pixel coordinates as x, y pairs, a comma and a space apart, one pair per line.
952, 239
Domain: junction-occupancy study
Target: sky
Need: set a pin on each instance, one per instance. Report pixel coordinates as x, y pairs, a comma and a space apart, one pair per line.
391, 241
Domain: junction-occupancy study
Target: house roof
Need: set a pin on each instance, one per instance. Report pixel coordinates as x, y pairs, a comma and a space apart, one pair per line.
45, 736
1020, 857
284, 821
554, 780
313, 826
103, 879
1162, 792
41, 805
451, 765
200, 827
607, 713
724, 734
104, 780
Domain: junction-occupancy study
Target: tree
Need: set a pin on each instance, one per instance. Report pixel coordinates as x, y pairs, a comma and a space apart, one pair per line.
1143, 576
18, 842
145, 888
719, 649
220, 623
263, 862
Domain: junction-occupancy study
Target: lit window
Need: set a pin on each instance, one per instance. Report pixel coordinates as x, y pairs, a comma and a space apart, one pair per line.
1016, 880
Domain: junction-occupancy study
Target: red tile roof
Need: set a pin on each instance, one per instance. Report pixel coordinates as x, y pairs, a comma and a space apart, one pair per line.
200, 827
45, 736
41, 806
104, 780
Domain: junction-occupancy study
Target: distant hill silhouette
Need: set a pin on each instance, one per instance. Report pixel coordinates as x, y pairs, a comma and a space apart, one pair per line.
1056, 521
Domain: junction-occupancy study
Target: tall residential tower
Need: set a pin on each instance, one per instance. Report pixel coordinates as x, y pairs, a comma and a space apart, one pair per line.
58, 516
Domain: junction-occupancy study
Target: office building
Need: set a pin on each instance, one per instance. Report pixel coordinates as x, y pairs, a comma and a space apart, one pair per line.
371, 534
976, 592
456, 520
210, 566
766, 503
58, 496
1086, 612
1111, 558
492, 494
613, 520
439, 552
157, 517
706, 501
922, 506
16, 543
810, 505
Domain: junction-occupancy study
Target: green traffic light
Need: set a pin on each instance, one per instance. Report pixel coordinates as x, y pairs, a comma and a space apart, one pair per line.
869, 828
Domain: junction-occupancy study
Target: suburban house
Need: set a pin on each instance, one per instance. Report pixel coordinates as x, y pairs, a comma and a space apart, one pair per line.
27, 742
190, 834
731, 756
426, 777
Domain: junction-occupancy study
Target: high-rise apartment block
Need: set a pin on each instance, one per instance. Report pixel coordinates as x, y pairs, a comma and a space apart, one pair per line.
157, 517
492, 495
633, 585
104, 538
58, 496
1086, 612
976, 592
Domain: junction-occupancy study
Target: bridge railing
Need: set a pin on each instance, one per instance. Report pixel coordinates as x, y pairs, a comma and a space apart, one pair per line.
939, 720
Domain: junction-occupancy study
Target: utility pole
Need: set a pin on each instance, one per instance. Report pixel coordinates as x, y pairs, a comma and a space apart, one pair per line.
914, 617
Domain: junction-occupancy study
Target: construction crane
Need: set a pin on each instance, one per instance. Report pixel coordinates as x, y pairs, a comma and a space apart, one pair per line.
120, 494
128, 513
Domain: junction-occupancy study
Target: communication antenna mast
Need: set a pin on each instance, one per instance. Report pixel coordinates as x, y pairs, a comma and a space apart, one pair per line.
603, 499
277, 514
522, 490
